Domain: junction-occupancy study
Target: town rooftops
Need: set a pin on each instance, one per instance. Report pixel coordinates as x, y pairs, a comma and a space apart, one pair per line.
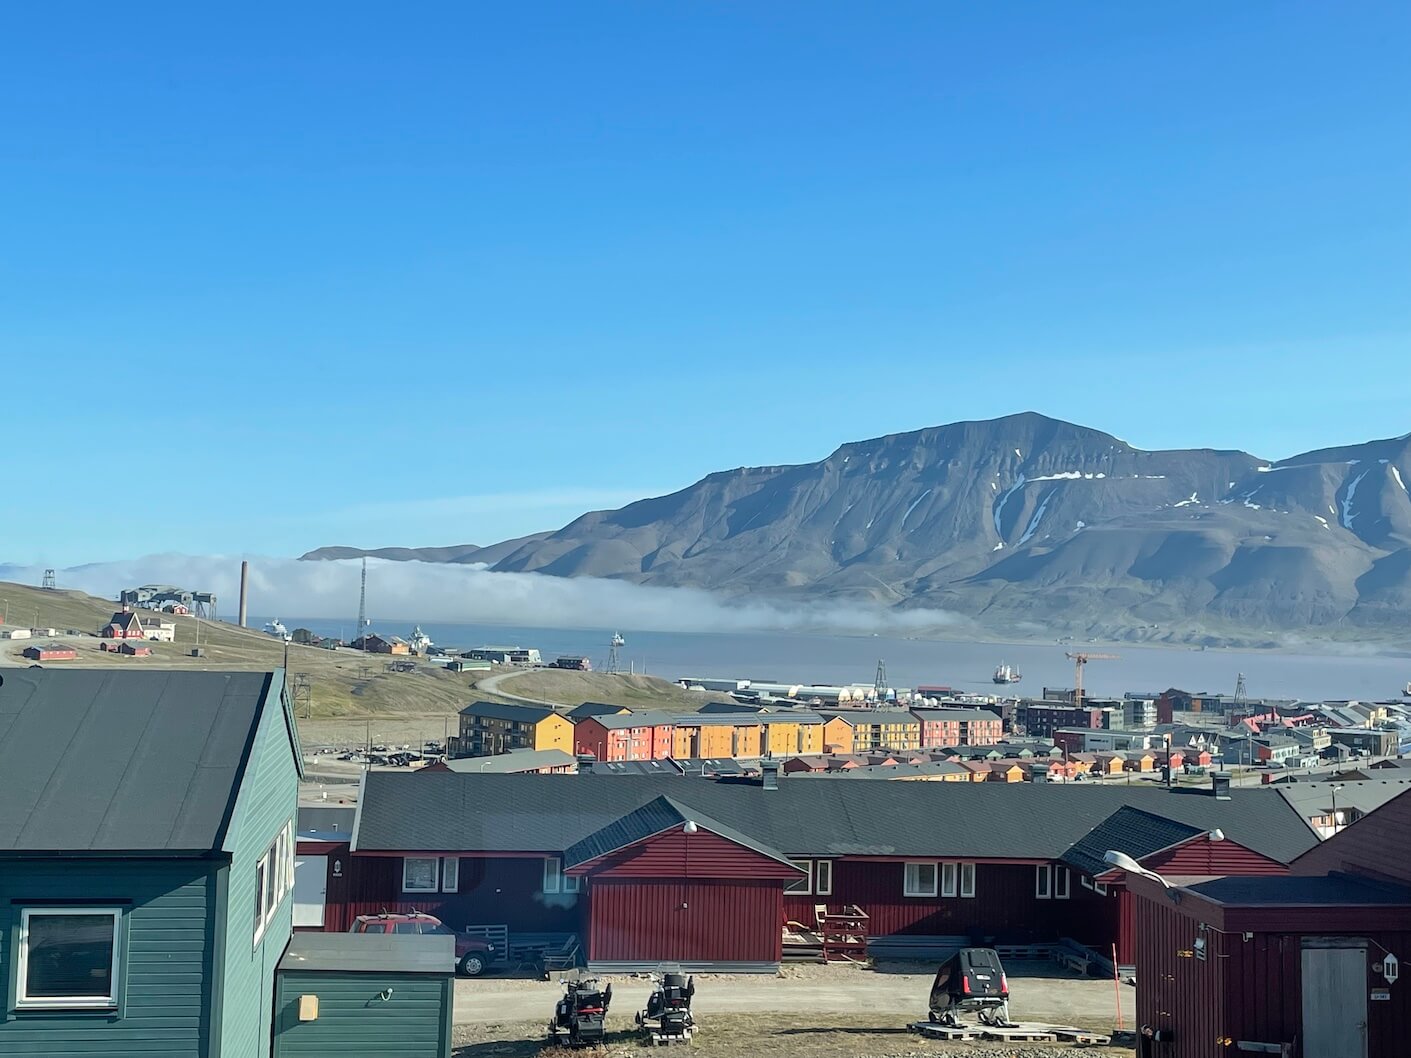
120, 761
548, 814
520, 714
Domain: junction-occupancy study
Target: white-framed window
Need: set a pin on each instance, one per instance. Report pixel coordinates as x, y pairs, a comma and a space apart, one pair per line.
555, 881
1086, 882
823, 877
572, 883
1100, 888
68, 957
450, 874
967, 880
948, 879
919, 879
419, 874
802, 885
1060, 883
1043, 881
274, 878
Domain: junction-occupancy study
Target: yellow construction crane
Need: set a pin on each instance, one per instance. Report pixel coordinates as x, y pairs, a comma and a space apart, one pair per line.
1079, 660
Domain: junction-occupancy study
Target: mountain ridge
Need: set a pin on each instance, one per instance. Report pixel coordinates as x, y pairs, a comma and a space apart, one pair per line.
1023, 523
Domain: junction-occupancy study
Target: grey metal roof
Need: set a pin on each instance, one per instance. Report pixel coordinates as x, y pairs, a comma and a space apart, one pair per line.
103, 760
635, 767
403, 953
445, 812
521, 714
853, 717
515, 761
647, 718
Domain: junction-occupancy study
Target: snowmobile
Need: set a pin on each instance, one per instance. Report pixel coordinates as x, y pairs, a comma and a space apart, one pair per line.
667, 1018
971, 980
580, 1015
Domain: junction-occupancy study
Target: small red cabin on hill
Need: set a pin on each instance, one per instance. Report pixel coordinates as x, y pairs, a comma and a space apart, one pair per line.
124, 625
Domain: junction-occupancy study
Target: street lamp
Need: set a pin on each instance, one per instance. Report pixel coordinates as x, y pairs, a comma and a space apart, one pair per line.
1335, 788
1123, 862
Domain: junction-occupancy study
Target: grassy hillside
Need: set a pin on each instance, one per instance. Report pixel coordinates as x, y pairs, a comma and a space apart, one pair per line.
345, 683
566, 687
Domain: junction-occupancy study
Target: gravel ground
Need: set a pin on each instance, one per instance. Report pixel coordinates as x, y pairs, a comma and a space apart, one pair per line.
778, 1035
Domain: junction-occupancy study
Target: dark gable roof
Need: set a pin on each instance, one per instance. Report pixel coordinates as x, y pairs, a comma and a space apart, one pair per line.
1128, 830
521, 714
531, 813
578, 712
654, 817
104, 760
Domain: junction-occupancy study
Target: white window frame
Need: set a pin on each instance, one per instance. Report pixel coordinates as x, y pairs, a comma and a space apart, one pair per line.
823, 869
1043, 881
1086, 882
108, 1002
1062, 875
967, 881
801, 886
450, 874
435, 875
553, 874
950, 880
908, 890
1100, 888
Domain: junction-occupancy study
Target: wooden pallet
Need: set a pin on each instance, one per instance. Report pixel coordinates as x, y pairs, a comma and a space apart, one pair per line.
933, 1031
1024, 1033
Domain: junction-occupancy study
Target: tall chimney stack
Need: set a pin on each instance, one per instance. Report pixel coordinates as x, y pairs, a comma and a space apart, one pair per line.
244, 590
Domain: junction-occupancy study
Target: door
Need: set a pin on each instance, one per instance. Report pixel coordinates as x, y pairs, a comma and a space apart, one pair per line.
310, 890
1334, 1000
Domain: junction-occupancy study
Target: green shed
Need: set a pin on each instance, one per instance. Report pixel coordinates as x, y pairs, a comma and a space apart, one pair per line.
355, 995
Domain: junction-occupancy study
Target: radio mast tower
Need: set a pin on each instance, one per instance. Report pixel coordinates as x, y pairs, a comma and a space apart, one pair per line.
48, 584
614, 664
362, 605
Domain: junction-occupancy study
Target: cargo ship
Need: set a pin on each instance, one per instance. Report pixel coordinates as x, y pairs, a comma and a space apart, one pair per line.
1007, 674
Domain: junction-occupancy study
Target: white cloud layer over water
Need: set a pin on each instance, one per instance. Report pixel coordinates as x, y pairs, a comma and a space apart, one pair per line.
419, 591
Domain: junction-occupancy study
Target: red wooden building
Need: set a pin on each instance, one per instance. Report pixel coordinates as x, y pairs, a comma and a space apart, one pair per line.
608, 858
123, 625
51, 652
1305, 965
626, 736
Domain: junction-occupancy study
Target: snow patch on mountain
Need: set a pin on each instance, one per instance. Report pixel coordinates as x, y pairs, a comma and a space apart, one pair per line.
1347, 514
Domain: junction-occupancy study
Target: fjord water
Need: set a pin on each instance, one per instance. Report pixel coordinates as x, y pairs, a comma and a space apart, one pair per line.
805, 658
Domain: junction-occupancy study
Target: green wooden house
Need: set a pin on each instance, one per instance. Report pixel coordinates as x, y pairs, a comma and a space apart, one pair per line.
146, 860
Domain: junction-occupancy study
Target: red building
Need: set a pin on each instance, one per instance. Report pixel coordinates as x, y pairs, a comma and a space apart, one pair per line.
627, 736
124, 625
51, 652
612, 859
959, 727
1304, 965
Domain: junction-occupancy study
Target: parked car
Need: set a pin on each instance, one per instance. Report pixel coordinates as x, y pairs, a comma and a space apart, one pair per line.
473, 955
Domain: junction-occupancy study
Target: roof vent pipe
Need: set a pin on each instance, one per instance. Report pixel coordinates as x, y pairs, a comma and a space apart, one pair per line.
769, 772
585, 763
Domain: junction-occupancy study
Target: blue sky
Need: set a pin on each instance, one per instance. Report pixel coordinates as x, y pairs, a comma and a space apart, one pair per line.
294, 275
